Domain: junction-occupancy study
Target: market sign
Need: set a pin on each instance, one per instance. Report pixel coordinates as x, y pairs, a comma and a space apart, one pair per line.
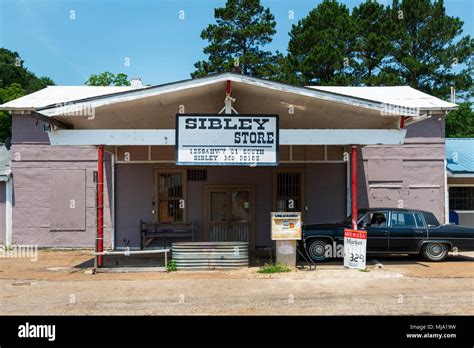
286, 225
355, 248
227, 139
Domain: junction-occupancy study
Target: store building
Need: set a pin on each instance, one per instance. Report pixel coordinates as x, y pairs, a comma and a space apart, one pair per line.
393, 135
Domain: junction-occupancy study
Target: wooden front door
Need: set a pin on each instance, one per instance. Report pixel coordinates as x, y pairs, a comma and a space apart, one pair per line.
229, 214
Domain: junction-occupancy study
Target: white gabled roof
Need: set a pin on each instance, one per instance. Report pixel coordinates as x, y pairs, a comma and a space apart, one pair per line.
60, 94
404, 96
374, 98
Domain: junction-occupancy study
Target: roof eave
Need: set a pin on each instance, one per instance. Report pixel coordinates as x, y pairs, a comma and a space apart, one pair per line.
54, 110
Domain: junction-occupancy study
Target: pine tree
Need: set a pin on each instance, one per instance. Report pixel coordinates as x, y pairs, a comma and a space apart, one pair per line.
242, 28
321, 46
427, 48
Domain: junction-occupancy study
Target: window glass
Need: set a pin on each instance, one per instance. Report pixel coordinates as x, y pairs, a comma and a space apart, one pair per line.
378, 219
170, 194
419, 220
430, 219
288, 191
403, 219
374, 219
461, 198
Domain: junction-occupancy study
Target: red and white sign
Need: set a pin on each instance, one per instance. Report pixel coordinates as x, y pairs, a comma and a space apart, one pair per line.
355, 248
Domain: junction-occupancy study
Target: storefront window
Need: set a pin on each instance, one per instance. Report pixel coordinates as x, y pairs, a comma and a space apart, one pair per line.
288, 191
170, 197
461, 198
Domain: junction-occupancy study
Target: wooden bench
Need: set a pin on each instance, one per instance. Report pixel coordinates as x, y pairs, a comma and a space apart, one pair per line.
152, 231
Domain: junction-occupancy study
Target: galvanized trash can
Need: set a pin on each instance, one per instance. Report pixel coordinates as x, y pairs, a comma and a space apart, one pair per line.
210, 255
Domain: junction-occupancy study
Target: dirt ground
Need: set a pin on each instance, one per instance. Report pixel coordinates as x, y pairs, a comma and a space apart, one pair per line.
59, 282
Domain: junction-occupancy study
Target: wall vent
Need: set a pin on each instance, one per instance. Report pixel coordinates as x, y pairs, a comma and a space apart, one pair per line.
197, 175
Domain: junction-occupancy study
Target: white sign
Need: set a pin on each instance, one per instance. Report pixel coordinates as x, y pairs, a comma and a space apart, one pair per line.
355, 248
227, 140
286, 225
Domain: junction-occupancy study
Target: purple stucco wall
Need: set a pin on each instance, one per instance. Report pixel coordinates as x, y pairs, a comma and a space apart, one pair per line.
421, 162
325, 192
33, 162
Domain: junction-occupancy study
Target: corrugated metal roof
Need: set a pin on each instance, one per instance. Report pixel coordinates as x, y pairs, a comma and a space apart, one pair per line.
5, 163
371, 97
405, 96
60, 94
460, 155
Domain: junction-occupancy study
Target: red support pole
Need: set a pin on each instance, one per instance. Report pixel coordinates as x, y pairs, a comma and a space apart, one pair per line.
402, 122
100, 205
227, 88
354, 186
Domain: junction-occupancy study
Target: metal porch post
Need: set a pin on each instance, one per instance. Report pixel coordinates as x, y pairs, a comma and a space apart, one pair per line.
354, 186
100, 205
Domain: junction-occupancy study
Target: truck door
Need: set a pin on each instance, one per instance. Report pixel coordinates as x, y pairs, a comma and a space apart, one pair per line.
407, 229
376, 224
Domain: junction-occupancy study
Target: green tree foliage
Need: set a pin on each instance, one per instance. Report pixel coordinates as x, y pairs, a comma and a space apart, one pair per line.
11, 92
321, 47
373, 44
15, 81
460, 122
235, 42
427, 47
108, 79
410, 42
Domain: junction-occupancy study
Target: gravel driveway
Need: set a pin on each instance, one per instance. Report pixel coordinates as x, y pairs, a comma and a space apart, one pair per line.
404, 285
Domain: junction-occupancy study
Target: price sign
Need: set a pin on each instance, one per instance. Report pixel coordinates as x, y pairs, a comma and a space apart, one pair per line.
355, 248
286, 225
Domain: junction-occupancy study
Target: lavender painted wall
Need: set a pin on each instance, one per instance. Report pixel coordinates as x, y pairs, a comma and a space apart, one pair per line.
134, 191
325, 190
33, 161
421, 185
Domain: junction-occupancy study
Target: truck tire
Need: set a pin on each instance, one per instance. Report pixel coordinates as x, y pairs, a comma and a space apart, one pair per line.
316, 249
434, 251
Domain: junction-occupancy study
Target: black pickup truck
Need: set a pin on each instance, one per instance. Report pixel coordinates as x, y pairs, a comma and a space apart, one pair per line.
391, 231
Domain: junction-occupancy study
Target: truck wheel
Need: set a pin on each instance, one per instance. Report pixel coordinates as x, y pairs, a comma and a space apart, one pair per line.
316, 249
434, 251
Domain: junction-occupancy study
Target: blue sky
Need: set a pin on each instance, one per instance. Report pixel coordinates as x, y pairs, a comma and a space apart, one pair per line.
69, 40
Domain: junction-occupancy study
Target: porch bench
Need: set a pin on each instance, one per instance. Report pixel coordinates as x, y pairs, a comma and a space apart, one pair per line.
152, 231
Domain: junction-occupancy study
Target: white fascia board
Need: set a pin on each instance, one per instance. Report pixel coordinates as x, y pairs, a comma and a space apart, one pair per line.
122, 137
462, 175
112, 137
121, 97
342, 136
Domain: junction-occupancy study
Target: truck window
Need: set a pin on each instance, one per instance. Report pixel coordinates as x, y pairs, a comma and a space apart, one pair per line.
430, 219
378, 219
419, 220
374, 219
403, 219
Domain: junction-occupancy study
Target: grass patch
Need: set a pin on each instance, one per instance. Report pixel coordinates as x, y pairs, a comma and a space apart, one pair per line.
274, 268
364, 270
171, 266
